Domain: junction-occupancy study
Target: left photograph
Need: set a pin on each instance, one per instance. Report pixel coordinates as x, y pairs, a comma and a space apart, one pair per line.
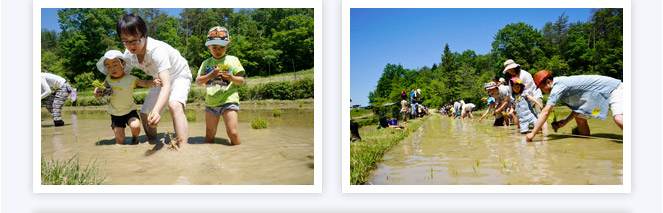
177, 96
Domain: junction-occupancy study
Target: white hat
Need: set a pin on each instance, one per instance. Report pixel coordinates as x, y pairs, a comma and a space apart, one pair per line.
509, 64
502, 80
111, 54
419, 91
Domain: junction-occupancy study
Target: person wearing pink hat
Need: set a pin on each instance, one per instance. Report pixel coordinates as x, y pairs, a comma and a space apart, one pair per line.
589, 96
525, 115
534, 96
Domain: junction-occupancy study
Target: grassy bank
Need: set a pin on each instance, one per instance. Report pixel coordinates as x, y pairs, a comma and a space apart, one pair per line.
365, 154
360, 112
303, 88
292, 76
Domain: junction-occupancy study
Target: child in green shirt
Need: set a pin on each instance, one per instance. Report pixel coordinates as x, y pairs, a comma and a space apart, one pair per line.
222, 98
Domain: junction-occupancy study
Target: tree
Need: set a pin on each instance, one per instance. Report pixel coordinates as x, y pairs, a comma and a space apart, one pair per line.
271, 56
295, 38
608, 41
520, 42
86, 35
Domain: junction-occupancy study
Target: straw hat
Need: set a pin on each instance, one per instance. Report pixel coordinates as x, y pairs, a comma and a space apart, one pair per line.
489, 85
509, 64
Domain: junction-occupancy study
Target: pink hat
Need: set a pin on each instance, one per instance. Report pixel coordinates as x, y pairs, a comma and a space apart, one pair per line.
516, 80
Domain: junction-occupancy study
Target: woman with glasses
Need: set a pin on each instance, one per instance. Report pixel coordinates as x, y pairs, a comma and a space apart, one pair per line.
161, 61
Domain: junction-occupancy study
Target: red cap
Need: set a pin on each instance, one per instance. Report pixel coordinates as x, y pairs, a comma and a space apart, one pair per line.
540, 76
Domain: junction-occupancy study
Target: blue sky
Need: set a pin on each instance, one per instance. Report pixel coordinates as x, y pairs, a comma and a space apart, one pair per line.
49, 17
415, 37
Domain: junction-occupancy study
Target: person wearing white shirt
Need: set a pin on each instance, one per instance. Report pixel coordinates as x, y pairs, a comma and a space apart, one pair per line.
55, 101
161, 61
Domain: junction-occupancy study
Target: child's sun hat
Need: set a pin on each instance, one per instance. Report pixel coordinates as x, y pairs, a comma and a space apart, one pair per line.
516, 80
489, 85
112, 54
218, 36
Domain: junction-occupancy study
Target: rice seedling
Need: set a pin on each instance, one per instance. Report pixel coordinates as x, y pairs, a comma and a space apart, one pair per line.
475, 169
190, 116
69, 172
431, 172
276, 113
258, 123
478, 162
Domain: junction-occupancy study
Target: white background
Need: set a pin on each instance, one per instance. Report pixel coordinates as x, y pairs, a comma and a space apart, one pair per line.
16, 137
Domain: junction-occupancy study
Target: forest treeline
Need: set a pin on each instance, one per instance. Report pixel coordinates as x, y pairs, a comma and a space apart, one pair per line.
266, 40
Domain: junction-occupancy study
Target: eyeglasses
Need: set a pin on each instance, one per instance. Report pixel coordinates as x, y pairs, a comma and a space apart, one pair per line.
134, 42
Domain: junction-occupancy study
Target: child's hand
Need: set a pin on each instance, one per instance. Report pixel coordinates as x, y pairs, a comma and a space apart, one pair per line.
157, 82
225, 75
214, 73
530, 136
97, 92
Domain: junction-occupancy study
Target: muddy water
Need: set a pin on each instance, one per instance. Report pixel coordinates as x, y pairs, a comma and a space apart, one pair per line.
447, 151
280, 154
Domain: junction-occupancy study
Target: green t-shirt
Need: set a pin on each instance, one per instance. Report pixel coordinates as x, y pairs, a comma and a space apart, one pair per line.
216, 96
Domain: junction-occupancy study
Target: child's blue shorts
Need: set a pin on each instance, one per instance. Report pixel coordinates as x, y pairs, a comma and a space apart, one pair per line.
218, 110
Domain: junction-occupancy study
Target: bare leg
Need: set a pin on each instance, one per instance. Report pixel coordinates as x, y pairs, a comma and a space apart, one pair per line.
583, 128
134, 125
149, 131
179, 122
230, 118
619, 120
119, 135
211, 124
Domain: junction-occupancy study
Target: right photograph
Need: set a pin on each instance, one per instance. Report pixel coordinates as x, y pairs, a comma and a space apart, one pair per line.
487, 96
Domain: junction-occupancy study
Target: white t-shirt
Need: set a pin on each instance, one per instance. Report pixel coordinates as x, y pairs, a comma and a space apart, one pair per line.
49, 81
530, 88
160, 56
467, 107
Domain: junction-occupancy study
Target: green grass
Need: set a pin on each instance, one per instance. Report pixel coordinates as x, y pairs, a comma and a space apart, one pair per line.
259, 123
367, 121
69, 172
360, 112
301, 72
365, 154
276, 113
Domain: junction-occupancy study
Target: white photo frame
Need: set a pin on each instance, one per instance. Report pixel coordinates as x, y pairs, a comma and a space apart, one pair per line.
316, 187
346, 14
